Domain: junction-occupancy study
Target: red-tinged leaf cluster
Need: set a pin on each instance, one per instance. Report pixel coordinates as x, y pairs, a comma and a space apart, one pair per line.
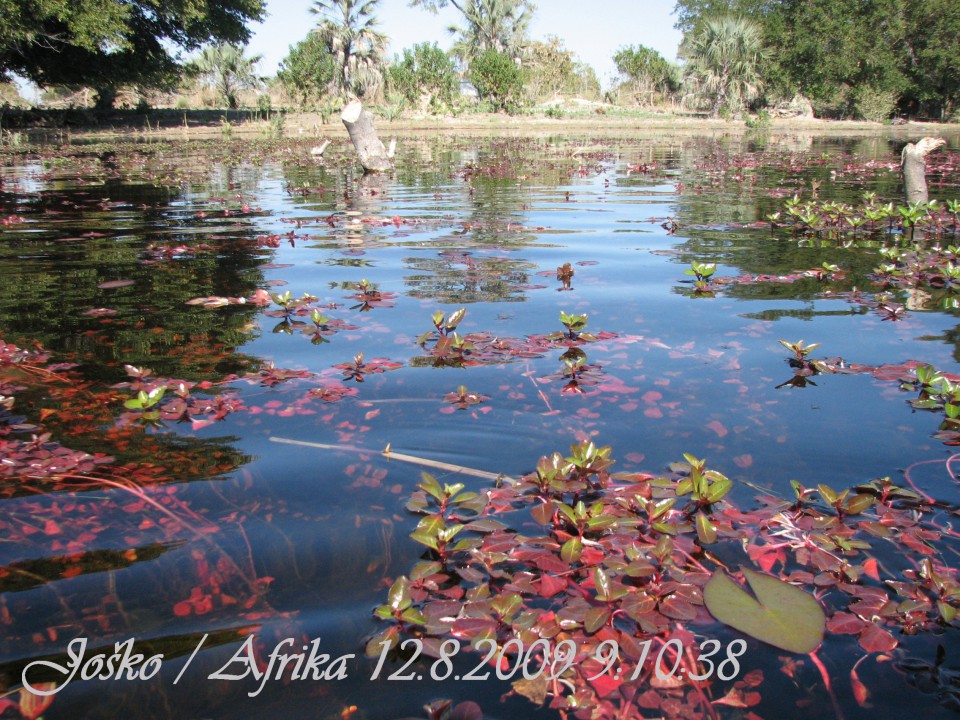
360, 368
39, 458
624, 558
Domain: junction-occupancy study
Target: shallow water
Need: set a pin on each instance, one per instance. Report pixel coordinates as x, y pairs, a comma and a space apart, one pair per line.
238, 533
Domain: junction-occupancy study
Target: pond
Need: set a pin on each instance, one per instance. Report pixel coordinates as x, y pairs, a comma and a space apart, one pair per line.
226, 365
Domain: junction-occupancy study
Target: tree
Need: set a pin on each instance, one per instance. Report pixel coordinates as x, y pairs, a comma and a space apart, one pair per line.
723, 61
105, 44
426, 74
692, 14
498, 79
646, 73
852, 57
227, 70
307, 72
348, 31
932, 46
500, 25
553, 70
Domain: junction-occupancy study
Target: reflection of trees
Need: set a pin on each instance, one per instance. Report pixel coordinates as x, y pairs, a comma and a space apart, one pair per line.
466, 278
44, 298
950, 337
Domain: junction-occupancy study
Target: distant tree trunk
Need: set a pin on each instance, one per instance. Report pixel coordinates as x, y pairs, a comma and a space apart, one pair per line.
370, 150
913, 163
106, 96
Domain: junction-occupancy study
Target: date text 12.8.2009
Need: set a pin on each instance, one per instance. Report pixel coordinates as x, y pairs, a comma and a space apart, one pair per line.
513, 660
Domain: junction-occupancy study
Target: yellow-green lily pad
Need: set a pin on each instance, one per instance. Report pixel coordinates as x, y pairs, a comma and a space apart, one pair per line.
781, 614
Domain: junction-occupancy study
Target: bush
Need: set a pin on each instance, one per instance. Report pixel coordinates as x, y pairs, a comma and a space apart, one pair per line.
425, 77
499, 80
307, 71
760, 121
874, 105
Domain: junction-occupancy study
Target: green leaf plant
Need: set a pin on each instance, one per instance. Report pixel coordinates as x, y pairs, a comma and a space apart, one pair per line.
575, 551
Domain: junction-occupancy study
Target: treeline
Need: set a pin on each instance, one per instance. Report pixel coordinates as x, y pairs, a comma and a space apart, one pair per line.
868, 59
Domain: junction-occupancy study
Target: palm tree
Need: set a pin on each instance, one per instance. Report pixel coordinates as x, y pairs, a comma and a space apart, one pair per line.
348, 29
723, 62
499, 25
226, 69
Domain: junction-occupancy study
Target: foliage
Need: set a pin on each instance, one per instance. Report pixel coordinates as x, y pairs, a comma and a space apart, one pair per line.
497, 25
933, 27
105, 44
553, 70
847, 56
613, 560
348, 30
692, 14
227, 70
647, 75
499, 80
782, 615
425, 77
723, 63
307, 73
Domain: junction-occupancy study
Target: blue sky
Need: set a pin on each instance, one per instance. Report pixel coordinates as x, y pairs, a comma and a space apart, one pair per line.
593, 29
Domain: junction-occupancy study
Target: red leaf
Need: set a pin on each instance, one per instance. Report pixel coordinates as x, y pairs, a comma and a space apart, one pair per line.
870, 569
743, 461
550, 585
606, 684
876, 639
845, 624
860, 691
718, 428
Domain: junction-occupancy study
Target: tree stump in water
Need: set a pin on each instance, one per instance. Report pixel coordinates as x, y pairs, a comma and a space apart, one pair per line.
370, 150
913, 163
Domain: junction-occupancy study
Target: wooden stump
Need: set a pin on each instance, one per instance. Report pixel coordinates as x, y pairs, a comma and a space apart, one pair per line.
371, 152
913, 163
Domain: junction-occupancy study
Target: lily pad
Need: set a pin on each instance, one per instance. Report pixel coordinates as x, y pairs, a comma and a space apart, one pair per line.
782, 615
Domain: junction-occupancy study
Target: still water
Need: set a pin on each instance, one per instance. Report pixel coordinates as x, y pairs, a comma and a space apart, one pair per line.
212, 524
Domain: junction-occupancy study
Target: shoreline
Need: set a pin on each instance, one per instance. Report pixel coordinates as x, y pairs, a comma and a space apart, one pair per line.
206, 124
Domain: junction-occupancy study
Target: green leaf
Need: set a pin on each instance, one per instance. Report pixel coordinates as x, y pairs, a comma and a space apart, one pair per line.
719, 490
595, 619
661, 508
782, 615
571, 550
706, 530
430, 485
399, 595
828, 494
413, 616
858, 503
454, 318
602, 582
947, 611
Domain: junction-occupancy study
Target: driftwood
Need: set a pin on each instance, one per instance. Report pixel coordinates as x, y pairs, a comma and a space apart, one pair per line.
913, 163
371, 152
319, 149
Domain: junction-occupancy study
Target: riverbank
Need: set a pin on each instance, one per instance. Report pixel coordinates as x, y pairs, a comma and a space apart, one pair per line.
42, 125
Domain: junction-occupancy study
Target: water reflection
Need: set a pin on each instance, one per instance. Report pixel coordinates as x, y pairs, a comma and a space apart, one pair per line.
208, 528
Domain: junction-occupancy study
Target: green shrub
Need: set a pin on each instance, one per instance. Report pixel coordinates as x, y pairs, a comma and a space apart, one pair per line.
872, 104
499, 80
425, 77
